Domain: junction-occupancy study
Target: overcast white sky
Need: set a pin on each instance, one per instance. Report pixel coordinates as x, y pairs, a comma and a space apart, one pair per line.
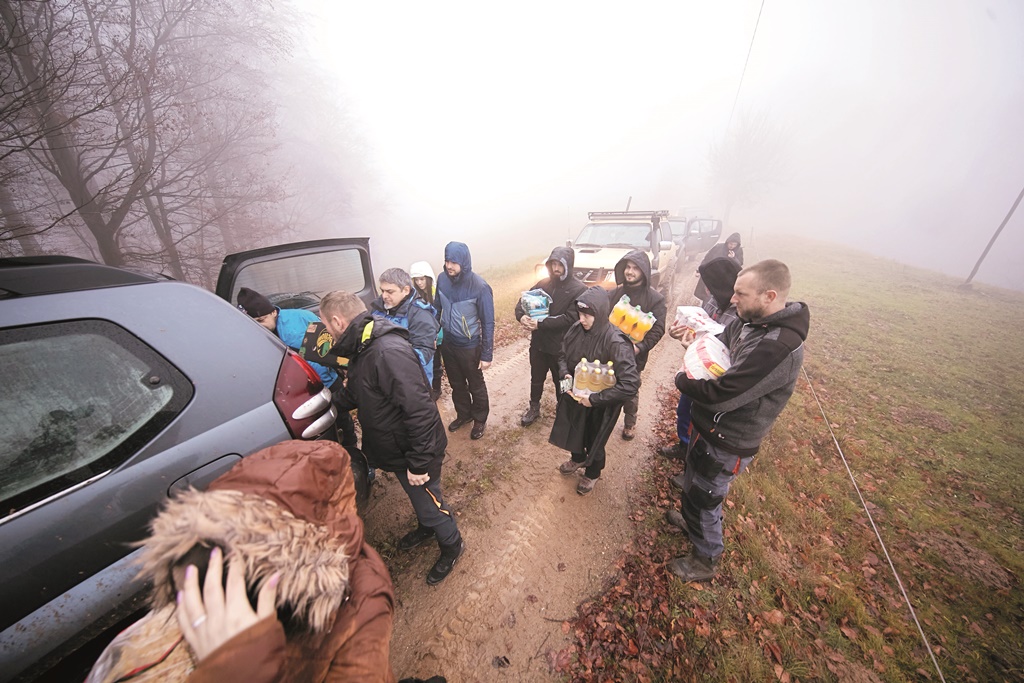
502, 125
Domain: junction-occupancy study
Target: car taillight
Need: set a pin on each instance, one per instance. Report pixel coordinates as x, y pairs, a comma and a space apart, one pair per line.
302, 399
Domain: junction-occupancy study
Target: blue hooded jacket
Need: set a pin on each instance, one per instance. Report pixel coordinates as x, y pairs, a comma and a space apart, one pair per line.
467, 305
291, 328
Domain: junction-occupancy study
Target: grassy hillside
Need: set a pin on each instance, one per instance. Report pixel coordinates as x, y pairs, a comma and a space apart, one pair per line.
923, 386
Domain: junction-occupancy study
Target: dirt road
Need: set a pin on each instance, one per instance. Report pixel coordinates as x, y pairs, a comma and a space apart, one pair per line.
535, 549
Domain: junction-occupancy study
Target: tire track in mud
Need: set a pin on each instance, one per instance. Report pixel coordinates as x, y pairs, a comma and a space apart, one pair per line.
535, 549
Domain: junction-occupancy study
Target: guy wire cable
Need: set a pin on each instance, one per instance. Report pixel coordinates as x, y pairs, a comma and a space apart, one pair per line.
878, 535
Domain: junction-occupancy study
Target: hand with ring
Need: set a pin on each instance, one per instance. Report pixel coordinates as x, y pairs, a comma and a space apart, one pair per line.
210, 618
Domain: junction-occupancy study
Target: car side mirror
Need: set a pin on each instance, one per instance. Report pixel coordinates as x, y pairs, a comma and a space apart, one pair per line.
664, 245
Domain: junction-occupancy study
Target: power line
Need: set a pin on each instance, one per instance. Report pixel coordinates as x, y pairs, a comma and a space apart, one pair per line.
993, 240
744, 73
878, 534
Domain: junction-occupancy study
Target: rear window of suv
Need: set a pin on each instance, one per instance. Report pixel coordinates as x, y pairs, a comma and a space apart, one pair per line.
78, 399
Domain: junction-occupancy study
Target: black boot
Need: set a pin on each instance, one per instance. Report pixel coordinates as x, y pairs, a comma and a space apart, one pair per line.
531, 414
418, 536
694, 567
450, 554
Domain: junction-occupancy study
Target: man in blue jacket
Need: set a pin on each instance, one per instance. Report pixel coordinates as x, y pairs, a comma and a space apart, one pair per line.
467, 319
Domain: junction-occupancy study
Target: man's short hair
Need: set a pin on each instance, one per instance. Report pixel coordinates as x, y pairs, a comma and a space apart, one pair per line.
771, 274
397, 277
343, 305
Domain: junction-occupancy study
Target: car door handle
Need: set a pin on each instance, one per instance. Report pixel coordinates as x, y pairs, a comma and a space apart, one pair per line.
202, 477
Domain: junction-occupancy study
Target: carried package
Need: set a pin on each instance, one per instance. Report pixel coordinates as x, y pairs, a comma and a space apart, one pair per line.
536, 303
697, 319
591, 377
706, 358
633, 321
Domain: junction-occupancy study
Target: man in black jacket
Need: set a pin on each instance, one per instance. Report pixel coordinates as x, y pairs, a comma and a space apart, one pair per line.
546, 333
402, 430
732, 414
633, 277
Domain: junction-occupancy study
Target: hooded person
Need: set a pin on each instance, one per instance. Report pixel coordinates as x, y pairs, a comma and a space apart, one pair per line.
583, 426
466, 304
633, 277
287, 514
730, 248
424, 281
546, 333
720, 276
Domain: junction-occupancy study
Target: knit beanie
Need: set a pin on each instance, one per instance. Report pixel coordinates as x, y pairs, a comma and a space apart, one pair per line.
254, 303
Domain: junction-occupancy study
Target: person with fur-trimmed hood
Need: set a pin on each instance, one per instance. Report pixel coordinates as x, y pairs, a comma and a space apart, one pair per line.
633, 277
546, 333
583, 426
285, 520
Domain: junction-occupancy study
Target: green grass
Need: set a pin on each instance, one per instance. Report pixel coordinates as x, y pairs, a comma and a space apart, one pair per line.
923, 385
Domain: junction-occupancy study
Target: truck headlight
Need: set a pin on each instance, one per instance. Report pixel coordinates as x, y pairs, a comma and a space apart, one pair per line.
541, 271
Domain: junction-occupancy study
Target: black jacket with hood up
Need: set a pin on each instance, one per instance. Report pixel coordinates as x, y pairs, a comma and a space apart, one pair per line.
547, 338
402, 429
585, 430
643, 295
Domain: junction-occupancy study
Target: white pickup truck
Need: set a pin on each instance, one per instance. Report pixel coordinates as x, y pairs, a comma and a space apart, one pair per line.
610, 235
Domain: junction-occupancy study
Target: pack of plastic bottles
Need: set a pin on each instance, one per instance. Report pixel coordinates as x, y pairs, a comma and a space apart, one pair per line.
591, 377
536, 303
631, 319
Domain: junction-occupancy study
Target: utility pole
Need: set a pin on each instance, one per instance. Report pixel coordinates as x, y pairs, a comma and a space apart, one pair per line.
967, 282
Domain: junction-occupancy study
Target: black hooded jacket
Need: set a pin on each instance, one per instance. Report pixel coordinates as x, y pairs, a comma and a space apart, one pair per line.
719, 277
578, 429
547, 338
643, 295
402, 429
721, 249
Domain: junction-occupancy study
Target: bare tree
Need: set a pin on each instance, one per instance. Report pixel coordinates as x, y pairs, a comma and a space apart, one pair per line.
750, 159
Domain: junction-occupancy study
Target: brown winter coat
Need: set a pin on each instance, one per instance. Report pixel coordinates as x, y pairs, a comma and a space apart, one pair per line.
288, 508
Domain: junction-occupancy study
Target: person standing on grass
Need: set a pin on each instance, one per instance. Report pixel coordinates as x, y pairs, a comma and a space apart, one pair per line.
582, 427
633, 277
546, 334
402, 430
467, 318
732, 414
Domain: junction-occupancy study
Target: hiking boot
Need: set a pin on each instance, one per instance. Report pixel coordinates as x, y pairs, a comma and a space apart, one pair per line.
586, 485
694, 567
569, 466
450, 554
418, 536
676, 482
628, 432
675, 518
478, 430
459, 422
676, 451
531, 414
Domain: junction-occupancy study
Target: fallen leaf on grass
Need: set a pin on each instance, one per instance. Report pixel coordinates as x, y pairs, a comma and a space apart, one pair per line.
849, 632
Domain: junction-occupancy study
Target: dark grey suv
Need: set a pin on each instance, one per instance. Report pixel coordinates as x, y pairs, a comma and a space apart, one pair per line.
117, 390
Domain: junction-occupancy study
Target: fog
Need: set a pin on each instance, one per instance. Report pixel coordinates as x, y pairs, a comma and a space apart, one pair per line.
899, 125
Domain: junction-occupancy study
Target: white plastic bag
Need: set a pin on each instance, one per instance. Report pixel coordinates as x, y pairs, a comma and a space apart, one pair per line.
706, 358
697, 319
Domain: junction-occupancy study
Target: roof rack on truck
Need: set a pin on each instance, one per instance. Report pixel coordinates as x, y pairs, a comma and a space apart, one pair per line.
608, 215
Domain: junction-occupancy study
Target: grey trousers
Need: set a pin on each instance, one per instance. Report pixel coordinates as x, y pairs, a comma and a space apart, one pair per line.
430, 508
709, 473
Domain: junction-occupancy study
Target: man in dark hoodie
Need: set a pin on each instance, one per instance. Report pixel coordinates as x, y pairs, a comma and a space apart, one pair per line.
633, 277
729, 249
732, 414
467, 318
582, 427
402, 430
546, 334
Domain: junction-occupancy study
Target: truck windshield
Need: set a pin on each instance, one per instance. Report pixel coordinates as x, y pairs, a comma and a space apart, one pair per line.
621, 235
